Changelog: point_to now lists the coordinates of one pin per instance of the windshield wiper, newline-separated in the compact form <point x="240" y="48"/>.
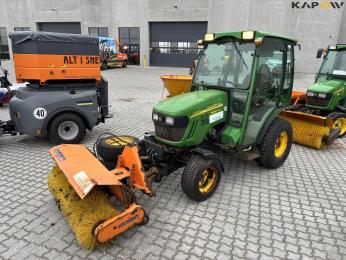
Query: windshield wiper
<point x="239" y="54"/>
<point x="224" y="82"/>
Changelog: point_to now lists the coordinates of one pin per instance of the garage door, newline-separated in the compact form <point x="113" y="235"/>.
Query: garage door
<point x="72" y="27"/>
<point x="174" y="43"/>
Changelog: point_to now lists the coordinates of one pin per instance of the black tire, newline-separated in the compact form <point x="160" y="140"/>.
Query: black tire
<point x="110" y="152"/>
<point x="193" y="173"/>
<point x="110" y="165"/>
<point x="338" y="115"/>
<point x="268" y="158"/>
<point x="145" y="220"/>
<point x="125" y="64"/>
<point x="57" y="137"/>
<point x="104" y="65"/>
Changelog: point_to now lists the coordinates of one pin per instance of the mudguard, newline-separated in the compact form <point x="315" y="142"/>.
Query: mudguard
<point x="207" y="154"/>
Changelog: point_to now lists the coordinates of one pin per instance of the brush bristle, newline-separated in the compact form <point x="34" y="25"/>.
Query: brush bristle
<point x="308" y="134"/>
<point x="82" y="215"/>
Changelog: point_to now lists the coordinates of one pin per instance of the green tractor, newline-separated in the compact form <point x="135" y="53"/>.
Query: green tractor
<point x="327" y="97"/>
<point x="236" y="96"/>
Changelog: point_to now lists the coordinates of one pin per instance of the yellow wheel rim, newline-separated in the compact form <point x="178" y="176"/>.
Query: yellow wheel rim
<point x="122" y="140"/>
<point x="281" y="144"/>
<point x="208" y="180"/>
<point x="340" y="123"/>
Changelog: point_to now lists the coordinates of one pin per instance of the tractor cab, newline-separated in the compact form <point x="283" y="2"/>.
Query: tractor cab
<point x="256" y="71"/>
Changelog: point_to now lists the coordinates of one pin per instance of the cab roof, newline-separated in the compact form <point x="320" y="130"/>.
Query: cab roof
<point x="257" y="34"/>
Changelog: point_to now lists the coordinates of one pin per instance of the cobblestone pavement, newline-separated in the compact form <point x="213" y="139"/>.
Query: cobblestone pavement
<point x="294" y="212"/>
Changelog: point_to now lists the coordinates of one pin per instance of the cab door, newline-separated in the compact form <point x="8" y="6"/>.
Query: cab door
<point x="267" y="86"/>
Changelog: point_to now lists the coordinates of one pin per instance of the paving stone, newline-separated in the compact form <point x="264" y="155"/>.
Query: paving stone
<point x="294" y="212"/>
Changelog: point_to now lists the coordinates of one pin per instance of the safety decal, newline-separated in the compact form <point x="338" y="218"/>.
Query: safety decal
<point x="215" y="117"/>
<point x="83" y="181"/>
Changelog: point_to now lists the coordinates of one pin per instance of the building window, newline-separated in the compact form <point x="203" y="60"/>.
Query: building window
<point x="16" y="29"/>
<point x="98" y="31"/>
<point x="129" y="40"/>
<point x="4" y="51"/>
<point x="175" y="47"/>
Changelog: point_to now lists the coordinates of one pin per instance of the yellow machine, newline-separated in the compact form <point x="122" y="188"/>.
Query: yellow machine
<point x="83" y="189"/>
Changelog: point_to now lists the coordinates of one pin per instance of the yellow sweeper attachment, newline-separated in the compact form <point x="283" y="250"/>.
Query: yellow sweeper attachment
<point x="311" y="130"/>
<point x="177" y="84"/>
<point x="83" y="187"/>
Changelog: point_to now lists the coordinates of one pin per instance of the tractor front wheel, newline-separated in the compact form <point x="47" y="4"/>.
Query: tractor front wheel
<point x="201" y="177"/>
<point x="339" y="121"/>
<point x="276" y="144"/>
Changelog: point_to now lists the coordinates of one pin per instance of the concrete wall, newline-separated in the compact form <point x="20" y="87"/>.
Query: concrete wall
<point x="314" y="28"/>
<point x="178" y="10"/>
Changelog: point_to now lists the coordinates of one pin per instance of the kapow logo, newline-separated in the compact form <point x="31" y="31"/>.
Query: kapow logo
<point x="312" y="5"/>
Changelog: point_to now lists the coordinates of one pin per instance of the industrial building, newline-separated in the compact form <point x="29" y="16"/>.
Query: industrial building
<point x="164" y="32"/>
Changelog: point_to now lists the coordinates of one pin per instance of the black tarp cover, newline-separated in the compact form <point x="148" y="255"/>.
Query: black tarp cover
<point x="54" y="43"/>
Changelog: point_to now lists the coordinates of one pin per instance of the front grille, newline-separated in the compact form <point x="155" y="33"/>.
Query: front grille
<point x="318" y="102"/>
<point x="169" y="133"/>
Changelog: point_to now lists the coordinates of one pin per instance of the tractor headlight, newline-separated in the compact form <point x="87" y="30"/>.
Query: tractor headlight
<point x="248" y="35"/>
<point x="209" y="37"/>
<point x="155" y="117"/>
<point x="322" y="95"/>
<point x="169" y="120"/>
<point x="310" y="94"/>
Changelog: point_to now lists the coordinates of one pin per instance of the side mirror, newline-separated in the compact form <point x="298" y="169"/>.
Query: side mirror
<point x="319" y="53"/>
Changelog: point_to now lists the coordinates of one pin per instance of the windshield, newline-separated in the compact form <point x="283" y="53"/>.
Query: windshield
<point x="226" y="64"/>
<point x="334" y="64"/>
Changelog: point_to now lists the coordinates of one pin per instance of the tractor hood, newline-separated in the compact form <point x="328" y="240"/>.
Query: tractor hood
<point x="327" y="86"/>
<point x="192" y="103"/>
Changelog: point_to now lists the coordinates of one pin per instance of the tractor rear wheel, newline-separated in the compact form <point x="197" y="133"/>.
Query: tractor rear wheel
<point x="201" y="177"/>
<point x="109" y="148"/>
<point x="276" y="144"/>
<point x="67" y="128"/>
<point x="339" y="121"/>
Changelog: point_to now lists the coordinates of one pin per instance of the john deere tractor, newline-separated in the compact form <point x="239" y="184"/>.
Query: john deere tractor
<point x="234" y="105"/>
<point x="327" y="97"/>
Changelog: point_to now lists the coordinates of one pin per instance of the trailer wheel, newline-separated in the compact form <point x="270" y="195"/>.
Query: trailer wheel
<point x="104" y="65"/>
<point x="201" y="177"/>
<point x="67" y="128"/>
<point x="339" y="121"/>
<point x="276" y="144"/>
<point x="109" y="148"/>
